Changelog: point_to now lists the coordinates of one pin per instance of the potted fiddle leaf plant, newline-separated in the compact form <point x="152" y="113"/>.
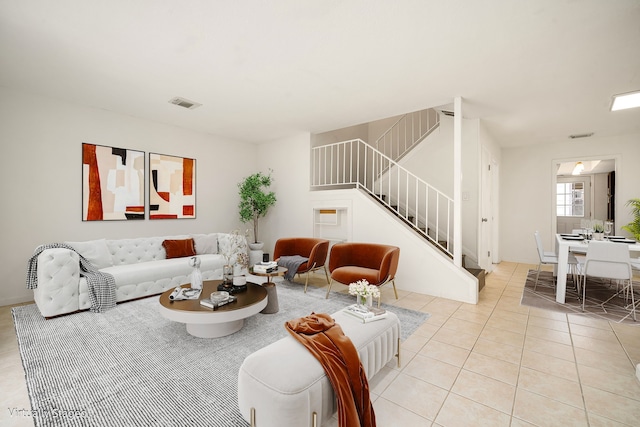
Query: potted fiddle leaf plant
<point x="634" y="226"/>
<point x="255" y="200"/>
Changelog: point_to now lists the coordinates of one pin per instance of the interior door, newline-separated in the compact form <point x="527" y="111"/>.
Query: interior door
<point x="485" y="235"/>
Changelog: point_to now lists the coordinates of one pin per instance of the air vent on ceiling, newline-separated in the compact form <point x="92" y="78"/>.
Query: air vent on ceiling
<point x="448" y="113"/>
<point x="581" y="135"/>
<point x="183" y="102"/>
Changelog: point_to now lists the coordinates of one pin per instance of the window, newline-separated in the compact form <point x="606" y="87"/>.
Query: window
<point x="570" y="199"/>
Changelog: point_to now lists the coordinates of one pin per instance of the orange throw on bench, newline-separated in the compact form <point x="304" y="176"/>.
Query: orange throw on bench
<point x="338" y="356"/>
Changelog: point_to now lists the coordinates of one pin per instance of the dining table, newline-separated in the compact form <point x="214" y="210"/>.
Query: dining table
<point x="579" y="244"/>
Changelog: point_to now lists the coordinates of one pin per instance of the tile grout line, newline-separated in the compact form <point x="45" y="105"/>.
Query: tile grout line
<point x="575" y="359"/>
<point x="515" y="393"/>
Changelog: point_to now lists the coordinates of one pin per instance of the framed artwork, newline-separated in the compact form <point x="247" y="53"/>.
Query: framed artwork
<point x="112" y="183"/>
<point x="172" y="187"/>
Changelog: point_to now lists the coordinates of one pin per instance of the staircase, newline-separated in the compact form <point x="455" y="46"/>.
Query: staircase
<point x="376" y="172"/>
<point x="356" y="164"/>
<point x="407" y="132"/>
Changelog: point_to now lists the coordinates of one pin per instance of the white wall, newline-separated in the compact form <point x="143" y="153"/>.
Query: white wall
<point x="526" y="188"/>
<point x="339" y="135"/>
<point x="292" y="215"/>
<point x="41" y="183"/>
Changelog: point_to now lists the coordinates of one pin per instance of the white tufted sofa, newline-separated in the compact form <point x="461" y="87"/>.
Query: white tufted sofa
<point x="139" y="266"/>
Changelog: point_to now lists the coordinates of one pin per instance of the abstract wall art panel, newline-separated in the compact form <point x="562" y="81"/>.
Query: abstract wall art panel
<point x="112" y="183"/>
<point x="172" y="187"/>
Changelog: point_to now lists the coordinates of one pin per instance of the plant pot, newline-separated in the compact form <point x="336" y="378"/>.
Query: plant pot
<point x="256" y="246"/>
<point x="255" y="253"/>
<point x="597" y="236"/>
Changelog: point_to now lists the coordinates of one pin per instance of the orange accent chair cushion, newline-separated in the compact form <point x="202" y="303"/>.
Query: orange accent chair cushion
<point x="350" y="262"/>
<point x="308" y="247"/>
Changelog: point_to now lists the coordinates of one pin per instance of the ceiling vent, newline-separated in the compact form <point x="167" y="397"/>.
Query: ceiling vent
<point x="581" y="135"/>
<point x="448" y="113"/>
<point x="183" y="102"/>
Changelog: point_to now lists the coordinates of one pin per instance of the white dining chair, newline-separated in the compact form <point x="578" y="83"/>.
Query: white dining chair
<point x="610" y="261"/>
<point x="551" y="258"/>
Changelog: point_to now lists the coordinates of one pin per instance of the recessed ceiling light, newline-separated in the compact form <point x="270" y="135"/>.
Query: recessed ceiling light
<point x="578" y="169"/>
<point x="625" y="100"/>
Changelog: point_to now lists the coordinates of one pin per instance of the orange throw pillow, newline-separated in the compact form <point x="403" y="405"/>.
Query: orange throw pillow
<point x="179" y="248"/>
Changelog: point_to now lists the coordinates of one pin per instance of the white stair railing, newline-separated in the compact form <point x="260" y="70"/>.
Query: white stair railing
<point x="407" y="132"/>
<point x="354" y="163"/>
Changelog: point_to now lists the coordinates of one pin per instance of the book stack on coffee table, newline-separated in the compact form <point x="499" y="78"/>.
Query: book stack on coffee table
<point x="365" y="314"/>
<point x="266" y="267"/>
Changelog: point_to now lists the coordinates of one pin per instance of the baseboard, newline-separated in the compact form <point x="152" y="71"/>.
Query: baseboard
<point x="638" y="371"/>
<point x="16" y="300"/>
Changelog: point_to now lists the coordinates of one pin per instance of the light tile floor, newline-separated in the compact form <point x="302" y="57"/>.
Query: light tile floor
<point x="496" y="363"/>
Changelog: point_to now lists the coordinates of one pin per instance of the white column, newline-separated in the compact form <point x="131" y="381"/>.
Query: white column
<point x="457" y="181"/>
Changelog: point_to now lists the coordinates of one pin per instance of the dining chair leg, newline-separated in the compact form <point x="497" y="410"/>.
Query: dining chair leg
<point x="633" y="302"/>
<point x="584" y="290"/>
<point x="537" y="275"/>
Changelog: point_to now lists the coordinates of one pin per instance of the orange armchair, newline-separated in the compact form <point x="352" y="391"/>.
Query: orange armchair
<point x="308" y="247"/>
<point x="350" y="262"/>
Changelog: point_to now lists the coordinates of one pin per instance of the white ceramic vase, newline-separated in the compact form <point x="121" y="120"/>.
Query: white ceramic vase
<point x="255" y="253"/>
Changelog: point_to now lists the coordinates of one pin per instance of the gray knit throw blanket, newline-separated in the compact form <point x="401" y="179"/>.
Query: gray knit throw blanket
<point x="292" y="263"/>
<point x="102" y="286"/>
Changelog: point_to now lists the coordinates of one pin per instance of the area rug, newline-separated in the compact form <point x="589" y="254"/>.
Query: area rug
<point x="129" y="366"/>
<point x="598" y="290"/>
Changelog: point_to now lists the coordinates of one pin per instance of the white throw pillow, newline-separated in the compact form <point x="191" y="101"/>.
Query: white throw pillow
<point x="95" y="251"/>
<point x="206" y="243"/>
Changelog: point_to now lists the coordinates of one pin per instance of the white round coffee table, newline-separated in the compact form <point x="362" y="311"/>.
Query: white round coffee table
<point x="203" y="322"/>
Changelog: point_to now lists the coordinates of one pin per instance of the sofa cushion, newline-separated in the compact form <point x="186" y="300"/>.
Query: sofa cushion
<point x="206" y="243"/>
<point x="179" y="248"/>
<point x="94" y="251"/>
<point x="127" y="274"/>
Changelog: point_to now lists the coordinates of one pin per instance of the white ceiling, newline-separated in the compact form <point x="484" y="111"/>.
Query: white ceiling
<point x="590" y="167"/>
<point x="535" y="71"/>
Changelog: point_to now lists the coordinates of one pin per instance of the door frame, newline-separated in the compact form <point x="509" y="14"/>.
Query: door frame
<point x="554" y="180"/>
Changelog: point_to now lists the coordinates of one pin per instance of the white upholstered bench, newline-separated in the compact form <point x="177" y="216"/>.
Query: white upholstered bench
<point x="283" y="385"/>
